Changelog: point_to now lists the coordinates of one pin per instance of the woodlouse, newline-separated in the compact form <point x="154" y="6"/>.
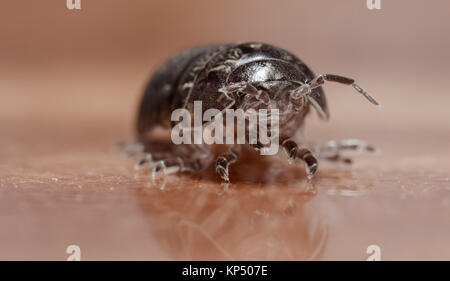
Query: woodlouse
<point x="250" y="75"/>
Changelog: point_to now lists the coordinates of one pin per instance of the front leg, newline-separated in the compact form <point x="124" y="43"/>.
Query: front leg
<point x="303" y="153"/>
<point x="224" y="160"/>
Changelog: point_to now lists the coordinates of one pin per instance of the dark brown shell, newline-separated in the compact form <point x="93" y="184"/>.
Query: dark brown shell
<point x="198" y="74"/>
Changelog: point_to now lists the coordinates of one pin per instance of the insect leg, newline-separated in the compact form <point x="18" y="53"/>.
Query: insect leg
<point x="136" y="148"/>
<point x="223" y="162"/>
<point x="166" y="158"/>
<point x="293" y="151"/>
<point x="151" y="155"/>
<point x="168" y="166"/>
<point x="145" y="158"/>
<point x="239" y="87"/>
<point x="251" y="97"/>
<point x="336" y="150"/>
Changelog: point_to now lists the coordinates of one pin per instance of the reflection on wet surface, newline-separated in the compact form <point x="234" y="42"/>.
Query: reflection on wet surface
<point x="269" y="212"/>
<point x="253" y="218"/>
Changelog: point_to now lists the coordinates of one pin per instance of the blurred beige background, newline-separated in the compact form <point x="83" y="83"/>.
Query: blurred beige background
<point x="70" y="82"/>
<point x="403" y="47"/>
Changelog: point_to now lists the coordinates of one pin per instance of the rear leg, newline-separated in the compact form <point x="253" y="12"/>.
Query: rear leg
<point x="224" y="160"/>
<point x="167" y="158"/>
<point x="183" y="157"/>
<point x="339" y="151"/>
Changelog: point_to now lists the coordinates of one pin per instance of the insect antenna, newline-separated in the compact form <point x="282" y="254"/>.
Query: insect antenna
<point x="317" y="107"/>
<point x="321" y="78"/>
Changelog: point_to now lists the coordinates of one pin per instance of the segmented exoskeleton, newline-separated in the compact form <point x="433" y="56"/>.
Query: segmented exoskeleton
<point x="232" y="76"/>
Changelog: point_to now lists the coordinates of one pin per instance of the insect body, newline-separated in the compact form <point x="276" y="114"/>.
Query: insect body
<point x="241" y="75"/>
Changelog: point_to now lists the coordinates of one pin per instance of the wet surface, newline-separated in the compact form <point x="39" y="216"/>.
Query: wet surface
<point x="62" y="182"/>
